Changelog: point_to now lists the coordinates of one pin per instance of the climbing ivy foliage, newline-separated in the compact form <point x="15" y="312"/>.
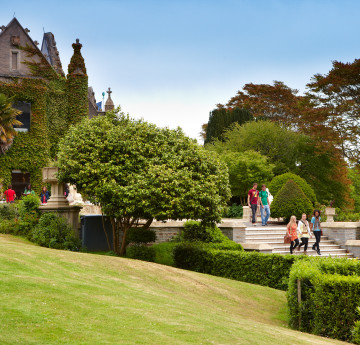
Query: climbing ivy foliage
<point x="77" y="87"/>
<point x="50" y="95"/>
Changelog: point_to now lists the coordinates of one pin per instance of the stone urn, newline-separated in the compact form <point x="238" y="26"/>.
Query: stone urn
<point x="57" y="198"/>
<point x="330" y="213"/>
<point x="57" y="202"/>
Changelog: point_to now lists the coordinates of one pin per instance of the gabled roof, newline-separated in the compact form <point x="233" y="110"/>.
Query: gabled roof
<point x="16" y="22"/>
<point x="51" y="53"/>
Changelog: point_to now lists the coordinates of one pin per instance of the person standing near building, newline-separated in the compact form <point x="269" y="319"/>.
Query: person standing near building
<point x="44" y="195"/>
<point x="264" y="205"/>
<point x="28" y="190"/>
<point x="316" y="228"/>
<point x="304" y="232"/>
<point x="10" y="194"/>
<point x="253" y="201"/>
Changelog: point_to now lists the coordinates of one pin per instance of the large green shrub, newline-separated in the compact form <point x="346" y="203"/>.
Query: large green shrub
<point x="290" y="200"/>
<point x="29" y="205"/>
<point x="264" y="269"/>
<point x="53" y="231"/>
<point x="164" y="253"/>
<point x="142" y="252"/>
<point x="330" y="295"/>
<point x="8" y="212"/>
<point x="234" y="211"/>
<point x="197" y="231"/>
<point x="279" y="181"/>
<point x="29" y="214"/>
<point x="141" y="235"/>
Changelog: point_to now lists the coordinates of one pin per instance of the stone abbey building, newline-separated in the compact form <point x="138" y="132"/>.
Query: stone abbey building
<point x="50" y="101"/>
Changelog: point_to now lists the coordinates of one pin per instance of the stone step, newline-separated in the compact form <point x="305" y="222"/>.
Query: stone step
<point x="280" y="240"/>
<point x="276" y="237"/>
<point x="323" y="251"/>
<point x="329" y="244"/>
<point x="324" y="254"/>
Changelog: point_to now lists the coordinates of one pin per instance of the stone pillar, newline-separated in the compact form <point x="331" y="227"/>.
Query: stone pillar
<point x="57" y="202"/>
<point x="330" y="213"/>
<point x="246" y="213"/>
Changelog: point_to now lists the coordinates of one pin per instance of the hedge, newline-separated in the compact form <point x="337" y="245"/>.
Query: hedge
<point x="270" y="270"/>
<point x="330" y="295"/>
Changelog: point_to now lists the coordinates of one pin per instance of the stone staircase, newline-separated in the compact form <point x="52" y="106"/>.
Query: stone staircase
<point x="273" y="235"/>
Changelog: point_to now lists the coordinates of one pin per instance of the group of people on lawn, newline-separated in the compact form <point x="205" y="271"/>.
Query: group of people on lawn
<point x="295" y="230"/>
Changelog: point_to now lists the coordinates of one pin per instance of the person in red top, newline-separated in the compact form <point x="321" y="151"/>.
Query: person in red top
<point x="253" y="200"/>
<point x="10" y="194"/>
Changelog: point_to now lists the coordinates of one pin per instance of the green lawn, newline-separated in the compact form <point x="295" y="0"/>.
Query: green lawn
<point x="58" y="297"/>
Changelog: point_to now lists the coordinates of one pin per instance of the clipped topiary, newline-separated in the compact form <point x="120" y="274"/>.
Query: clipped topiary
<point x="290" y="200"/>
<point x="278" y="182"/>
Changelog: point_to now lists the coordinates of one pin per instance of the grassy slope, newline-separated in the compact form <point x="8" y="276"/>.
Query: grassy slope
<point x="57" y="297"/>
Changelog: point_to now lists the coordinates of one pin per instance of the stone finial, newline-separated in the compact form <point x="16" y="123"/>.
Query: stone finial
<point x="27" y="30"/>
<point x="109" y="104"/>
<point x="36" y="43"/>
<point x="3" y="27"/>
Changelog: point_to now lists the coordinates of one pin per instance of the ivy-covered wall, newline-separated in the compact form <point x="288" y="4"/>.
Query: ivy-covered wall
<point x="56" y="103"/>
<point x="29" y="151"/>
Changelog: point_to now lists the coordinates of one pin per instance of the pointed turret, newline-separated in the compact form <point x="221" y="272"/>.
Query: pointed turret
<point x="77" y="86"/>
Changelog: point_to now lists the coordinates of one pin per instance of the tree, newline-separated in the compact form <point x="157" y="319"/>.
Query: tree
<point x="335" y="97"/>
<point x="245" y="168"/>
<point x="220" y="119"/>
<point x="139" y="172"/>
<point x="276" y="102"/>
<point x="7" y="122"/>
<point x="289" y="201"/>
<point x="290" y="151"/>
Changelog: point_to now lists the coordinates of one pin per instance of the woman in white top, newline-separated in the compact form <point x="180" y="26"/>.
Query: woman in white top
<point x="304" y="232"/>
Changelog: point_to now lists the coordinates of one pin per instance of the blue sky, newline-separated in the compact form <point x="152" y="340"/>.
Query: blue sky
<point x="170" y="62"/>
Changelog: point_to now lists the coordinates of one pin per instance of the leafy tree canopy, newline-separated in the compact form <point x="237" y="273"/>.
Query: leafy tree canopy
<point x="289" y="151"/>
<point x="277" y="102"/>
<point x="220" y="119"/>
<point x="139" y="172"/>
<point x="336" y="99"/>
<point x="245" y="168"/>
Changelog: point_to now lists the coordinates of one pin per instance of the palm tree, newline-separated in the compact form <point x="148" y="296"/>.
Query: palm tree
<point x="7" y="121"/>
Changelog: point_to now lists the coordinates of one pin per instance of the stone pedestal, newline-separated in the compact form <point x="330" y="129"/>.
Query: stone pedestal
<point x="330" y="213"/>
<point x="57" y="202"/>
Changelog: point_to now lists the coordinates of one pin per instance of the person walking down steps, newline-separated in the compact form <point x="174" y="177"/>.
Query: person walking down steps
<point x="264" y="205"/>
<point x="304" y="232"/>
<point x="253" y="201"/>
<point x="316" y="228"/>
<point x="292" y="232"/>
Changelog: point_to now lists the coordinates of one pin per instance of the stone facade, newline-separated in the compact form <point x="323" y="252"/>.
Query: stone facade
<point x="11" y="57"/>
